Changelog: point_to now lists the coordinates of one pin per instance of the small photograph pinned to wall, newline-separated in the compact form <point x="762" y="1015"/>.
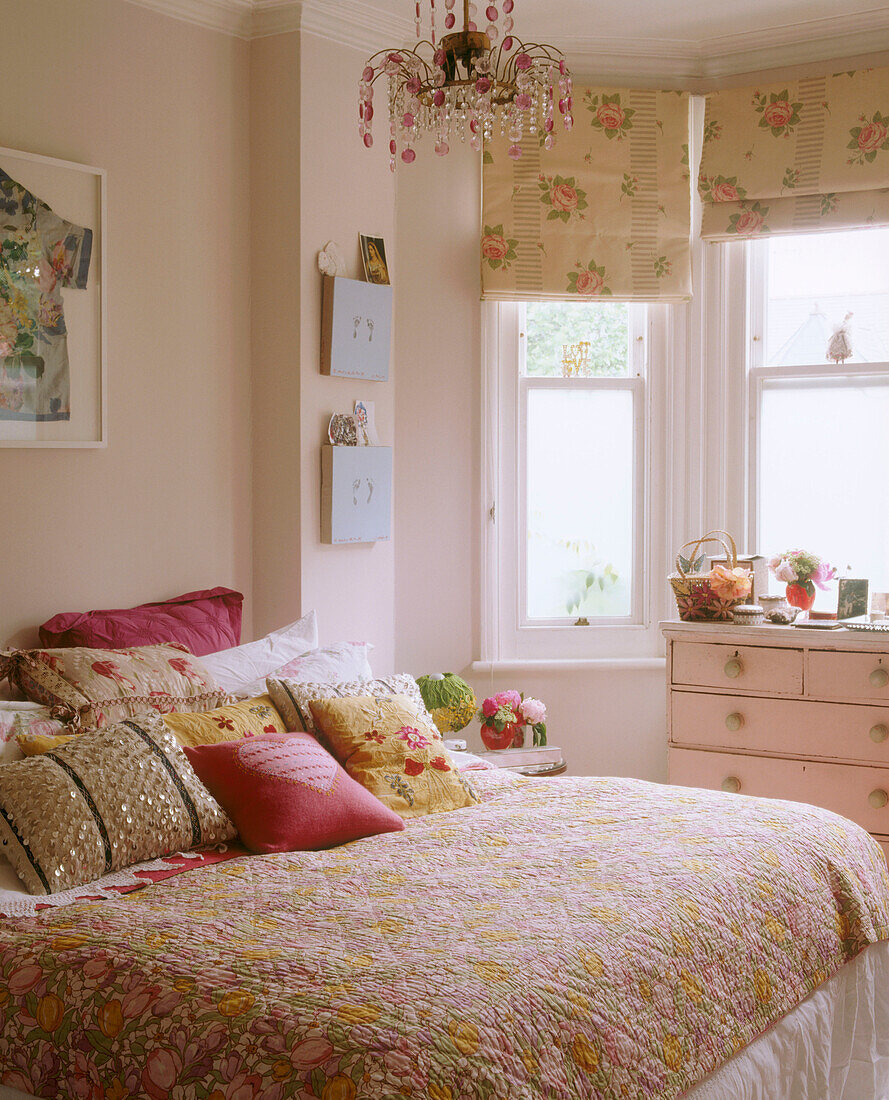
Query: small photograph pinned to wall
<point x="851" y="597"/>
<point x="365" y="423"/>
<point x="373" y="254"/>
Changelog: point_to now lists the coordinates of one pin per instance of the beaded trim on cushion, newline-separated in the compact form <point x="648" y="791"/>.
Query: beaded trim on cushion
<point x="91" y="688"/>
<point x="104" y="800"/>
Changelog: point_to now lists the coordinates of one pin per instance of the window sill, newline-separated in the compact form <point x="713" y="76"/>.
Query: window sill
<point x="589" y="664"/>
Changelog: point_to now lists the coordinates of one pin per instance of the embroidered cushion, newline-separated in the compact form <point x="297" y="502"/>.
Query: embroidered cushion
<point x="249" y="718"/>
<point x="338" y="662"/>
<point x="107" y="799"/>
<point x="292" y="697"/>
<point x="201" y="621"/>
<point x="285" y="793"/>
<point x="396" y="753"/>
<point x="244" y="668"/>
<point x="90" y="688"/>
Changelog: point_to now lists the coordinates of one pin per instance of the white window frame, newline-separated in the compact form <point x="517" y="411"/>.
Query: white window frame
<point x="507" y="636"/>
<point x="759" y="375"/>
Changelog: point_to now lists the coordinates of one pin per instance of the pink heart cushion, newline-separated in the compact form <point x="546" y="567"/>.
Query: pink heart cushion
<point x="285" y="793"/>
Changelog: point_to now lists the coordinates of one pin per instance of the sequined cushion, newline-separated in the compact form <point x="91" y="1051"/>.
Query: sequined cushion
<point x="106" y="799"/>
<point x="292" y="697"/>
<point x="91" y="688"/>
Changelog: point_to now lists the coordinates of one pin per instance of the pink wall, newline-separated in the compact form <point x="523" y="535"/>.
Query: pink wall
<point x="162" y="106"/>
<point x="312" y="181"/>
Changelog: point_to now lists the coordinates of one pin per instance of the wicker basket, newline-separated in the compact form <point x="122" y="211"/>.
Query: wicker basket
<point x="695" y="599"/>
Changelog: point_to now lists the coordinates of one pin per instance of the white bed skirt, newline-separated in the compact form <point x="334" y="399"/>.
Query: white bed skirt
<point x="834" y="1046"/>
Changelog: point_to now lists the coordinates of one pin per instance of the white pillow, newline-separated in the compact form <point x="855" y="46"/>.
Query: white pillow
<point x="330" y="665"/>
<point x="239" y="670"/>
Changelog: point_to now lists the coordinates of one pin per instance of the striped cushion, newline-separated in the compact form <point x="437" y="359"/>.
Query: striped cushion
<point x="292" y="697"/>
<point x="104" y="800"/>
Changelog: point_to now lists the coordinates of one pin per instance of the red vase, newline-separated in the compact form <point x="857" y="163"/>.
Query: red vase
<point x="799" y="595"/>
<point x="494" y="740"/>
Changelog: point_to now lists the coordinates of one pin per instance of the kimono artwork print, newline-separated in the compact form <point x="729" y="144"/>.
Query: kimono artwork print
<point x="40" y="254"/>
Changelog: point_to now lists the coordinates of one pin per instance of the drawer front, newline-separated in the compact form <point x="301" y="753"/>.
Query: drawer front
<point x="795" y="727"/>
<point x="835" y="675"/>
<point x="855" y="792"/>
<point x="738" y="668"/>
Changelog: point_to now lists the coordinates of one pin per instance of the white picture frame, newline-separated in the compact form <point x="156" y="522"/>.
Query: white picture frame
<point x="77" y="193"/>
<point x="356" y="329"/>
<point x="356" y="494"/>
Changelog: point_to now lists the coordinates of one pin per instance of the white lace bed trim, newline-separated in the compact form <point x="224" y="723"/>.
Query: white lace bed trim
<point x="21" y="904"/>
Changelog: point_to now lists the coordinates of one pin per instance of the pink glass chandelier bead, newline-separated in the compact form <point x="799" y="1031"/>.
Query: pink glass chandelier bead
<point x="472" y="26"/>
<point x="549" y="141"/>
<point x="369" y="111"/>
<point x="491" y="13"/>
<point x="418" y="18"/>
<point x="514" y="151"/>
<point x="368" y="74"/>
<point x="475" y="143"/>
<point x="438" y="97"/>
<point x="408" y="156"/>
<point x="564" y="106"/>
<point x="450" y="20"/>
<point x="508" y="43"/>
<point x="368" y="140"/>
<point x="493" y="32"/>
<point x="548" y="124"/>
<point x="442" y="148"/>
<point x="407" y="120"/>
<point x="508" y="24"/>
<point x="522" y="62"/>
<point x="439" y="58"/>
<point x="523" y="101"/>
<point x="483" y="85"/>
<point x="569" y="122"/>
<point x="508" y="5"/>
<point x="473" y="125"/>
<point x="393" y="147"/>
<point x="413" y="85"/>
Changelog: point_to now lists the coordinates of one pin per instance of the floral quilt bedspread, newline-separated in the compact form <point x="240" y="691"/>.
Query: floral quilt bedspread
<point x="566" y="939"/>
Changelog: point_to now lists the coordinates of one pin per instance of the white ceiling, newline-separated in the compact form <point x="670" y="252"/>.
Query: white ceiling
<point x="645" y="38"/>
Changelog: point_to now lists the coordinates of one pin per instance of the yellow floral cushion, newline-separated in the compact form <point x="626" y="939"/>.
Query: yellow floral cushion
<point x="34" y="744"/>
<point x="392" y="750"/>
<point x="249" y="718"/>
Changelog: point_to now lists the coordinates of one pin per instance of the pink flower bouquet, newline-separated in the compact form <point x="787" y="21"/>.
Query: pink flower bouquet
<point x="504" y="717"/>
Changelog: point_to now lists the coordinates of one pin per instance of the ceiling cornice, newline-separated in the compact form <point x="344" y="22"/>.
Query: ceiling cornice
<point x="360" y="24"/>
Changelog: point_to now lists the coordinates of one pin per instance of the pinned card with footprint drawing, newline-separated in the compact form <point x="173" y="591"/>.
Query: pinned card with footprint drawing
<point x="356" y="494"/>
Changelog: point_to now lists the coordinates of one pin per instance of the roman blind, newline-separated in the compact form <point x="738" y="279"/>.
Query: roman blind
<point x="796" y="156"/>
<point x="605" y="213"/>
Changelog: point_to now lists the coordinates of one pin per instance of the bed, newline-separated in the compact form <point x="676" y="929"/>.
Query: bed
<point x="565" y="939"/>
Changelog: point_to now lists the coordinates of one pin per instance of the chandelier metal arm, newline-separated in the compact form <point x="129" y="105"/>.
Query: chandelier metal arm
<point x="462" y="83"/>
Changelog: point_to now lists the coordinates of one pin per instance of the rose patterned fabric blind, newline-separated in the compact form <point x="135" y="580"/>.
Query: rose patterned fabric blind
<point x="797" y="156"/>
<point x="605" y="213"/>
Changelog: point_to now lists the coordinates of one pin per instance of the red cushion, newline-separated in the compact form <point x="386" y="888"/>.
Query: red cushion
<point x="204" y="622"/>
<point x="285" y="793"/>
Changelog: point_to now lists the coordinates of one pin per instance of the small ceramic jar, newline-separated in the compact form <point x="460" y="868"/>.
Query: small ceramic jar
<point x="748" y="614"/>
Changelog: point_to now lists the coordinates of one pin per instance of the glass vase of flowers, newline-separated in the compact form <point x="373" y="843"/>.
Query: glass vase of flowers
<point x="505" y="717"/>
<point x="801" y="571"/>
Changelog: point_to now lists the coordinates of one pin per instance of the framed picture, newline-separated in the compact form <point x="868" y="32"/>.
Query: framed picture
<point x="356" y="329"/>
<point x="851" y="598"/>
<point x="52" y="302"/>
<point x="356" y="494"/>
<point x="373" y="254"/>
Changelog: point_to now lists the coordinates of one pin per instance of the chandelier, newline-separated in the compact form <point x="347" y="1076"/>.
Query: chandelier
<point x="463" y="84"/>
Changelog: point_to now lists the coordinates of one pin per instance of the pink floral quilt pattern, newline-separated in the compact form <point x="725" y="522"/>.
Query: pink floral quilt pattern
<point x="566" y="939"/>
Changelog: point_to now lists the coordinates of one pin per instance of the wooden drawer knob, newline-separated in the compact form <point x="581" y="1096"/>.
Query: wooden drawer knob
<point x="731" y="785"/>
<point x="878" y="798"/>
<point x="733" y="668"/>
<point x="879" y="733"/>
<point x="879" y="678"/>
<point x="734" y="721"/>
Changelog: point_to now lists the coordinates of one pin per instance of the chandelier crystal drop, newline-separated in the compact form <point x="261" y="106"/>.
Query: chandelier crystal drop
<point x="469" y="84"/>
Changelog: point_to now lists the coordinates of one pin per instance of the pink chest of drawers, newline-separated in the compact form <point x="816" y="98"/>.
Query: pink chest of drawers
<point x="782" y="712"/>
